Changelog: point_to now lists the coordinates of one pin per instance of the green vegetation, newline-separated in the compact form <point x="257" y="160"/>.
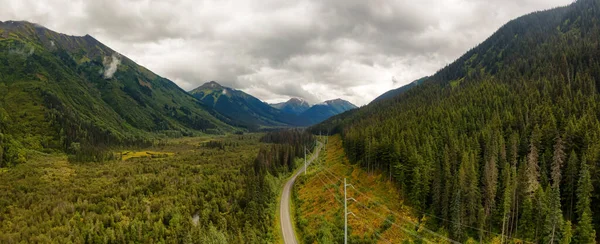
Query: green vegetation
<point x="501" y="143"/>
<point x="193" y="190"/>
<point x="198" y="194"/>
<point x="318" y="197"/>
<point x="243" y="109"/>
<point x="57" y="94"/>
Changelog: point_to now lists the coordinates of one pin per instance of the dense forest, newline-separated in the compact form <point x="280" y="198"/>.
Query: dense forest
<point x="504" y="142"/>
<point x="210" y="190"/>
<point x="285" y="146"/>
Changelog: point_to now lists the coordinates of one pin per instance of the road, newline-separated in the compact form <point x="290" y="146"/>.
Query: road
<point x="284" y="205"/>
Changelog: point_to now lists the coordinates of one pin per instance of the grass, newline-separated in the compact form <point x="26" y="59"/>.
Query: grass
<point x="319" y="202"/>
<point x="145" y="154"/>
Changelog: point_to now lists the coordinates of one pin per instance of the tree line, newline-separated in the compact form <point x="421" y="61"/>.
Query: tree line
<point x="504" y="143"/>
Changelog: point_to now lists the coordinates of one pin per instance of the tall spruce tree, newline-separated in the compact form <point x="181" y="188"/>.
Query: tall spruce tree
<point x="570" y="185"/>
<point x="554" y="217"/>
<point x="584" y="232"/>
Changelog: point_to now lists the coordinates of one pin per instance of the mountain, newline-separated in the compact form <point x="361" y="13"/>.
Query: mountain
<point x="400" y="90"/>
<point x="513" y="122"/>
<point x="323" y="111"/>
<point x="57" y="90"/>
<point x="292" y="106"/>
<point x="249" y="112"/>
<point x="242" y="108"/>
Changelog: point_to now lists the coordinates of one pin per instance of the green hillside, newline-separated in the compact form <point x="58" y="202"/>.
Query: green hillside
<point x="60" y="92"/>
<point x="502" y="143"/>
<point x="243" y="109"/>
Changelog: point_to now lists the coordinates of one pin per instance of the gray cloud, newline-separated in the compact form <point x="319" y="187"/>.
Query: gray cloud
<point x="315" y="49"/>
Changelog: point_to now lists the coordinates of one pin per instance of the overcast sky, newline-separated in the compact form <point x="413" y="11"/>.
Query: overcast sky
<point x="274" y="49"/>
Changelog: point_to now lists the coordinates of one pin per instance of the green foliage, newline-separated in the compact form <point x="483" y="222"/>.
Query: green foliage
<point x="567" y="234"/>
<point x="285" y="146"/>
<point x="526" y="84"/>
<point x="199" y="195"/>
<point x="53" y="92"/>
<point x="243" y="109"/>
<point x="584" y="231"/>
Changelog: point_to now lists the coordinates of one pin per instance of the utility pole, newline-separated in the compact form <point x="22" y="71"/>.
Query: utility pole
<point x="346" y="211"/>
<point x="304" y="160"/>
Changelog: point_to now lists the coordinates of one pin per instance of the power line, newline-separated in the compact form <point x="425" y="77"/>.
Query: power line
<point x="385" y="219"/>
<point x="334" y="196"/>
<point x="422" y="212"/>
<point x="409" y="221"/>
<point x="338" y="178"/>
<point x="373" y="230"/>
<point x="430" y="215"/>
<point x="329" y="189"/>
<point x="399" y="226"/>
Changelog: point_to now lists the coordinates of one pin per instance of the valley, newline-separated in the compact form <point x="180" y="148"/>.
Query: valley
<point x="202" y="192"/>
<point x="498" y="145"/>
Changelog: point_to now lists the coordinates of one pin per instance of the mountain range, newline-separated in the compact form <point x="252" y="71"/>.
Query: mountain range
<point x="56" y="90"/>
<point x="73" y="93"/>
<point x="250" y="112"/>
<point x="245" y="110"/>
<point x="293" y="106"/>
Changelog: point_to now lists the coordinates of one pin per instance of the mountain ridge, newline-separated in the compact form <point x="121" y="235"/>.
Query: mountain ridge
<point x="78" y="90"/>
<point x="294" y="105"/>
<point x="242" y="108"/>
<point x="394" y="92"/>
<point x="488" y="136"/>
<point x="250" y="112"/>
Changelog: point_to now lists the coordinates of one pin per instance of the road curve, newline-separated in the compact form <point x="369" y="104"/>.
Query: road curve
<point x="284" y="205"/>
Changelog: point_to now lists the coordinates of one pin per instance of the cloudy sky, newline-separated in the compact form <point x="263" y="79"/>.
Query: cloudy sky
<point x="274" y="49"/>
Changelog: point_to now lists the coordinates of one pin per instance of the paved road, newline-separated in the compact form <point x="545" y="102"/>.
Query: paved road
<point x="284" y="205"/>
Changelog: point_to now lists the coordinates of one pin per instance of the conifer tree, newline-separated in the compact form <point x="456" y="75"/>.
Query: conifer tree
<point x="490" y="184"/>
<point x="567" y="234"/>
<point x="570" y="184"/>
<point x="554" y="217"/>
<point x="507" y="202"/>
<point x="584" y="232"/>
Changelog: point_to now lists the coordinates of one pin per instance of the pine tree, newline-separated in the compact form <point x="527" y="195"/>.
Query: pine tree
<point x="507" y="202"/>
<point x="468" y="183"/>
<point x="554" y="218"/>
<point x="532" y="173"/>
<point x="584" y="232"/>
<point x="570" y="184"/>
<point x="456" y="212"/>
<point x="529" y="216"/>
<point x="490" y="184"/>
<point x="527" y="220"/>
<point x="567" y="234"/>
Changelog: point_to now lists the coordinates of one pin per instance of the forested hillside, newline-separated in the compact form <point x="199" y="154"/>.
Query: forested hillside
<point x="503" y="143"/>
<point x="243" y="109"/>
<point x="67" y="93"/>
